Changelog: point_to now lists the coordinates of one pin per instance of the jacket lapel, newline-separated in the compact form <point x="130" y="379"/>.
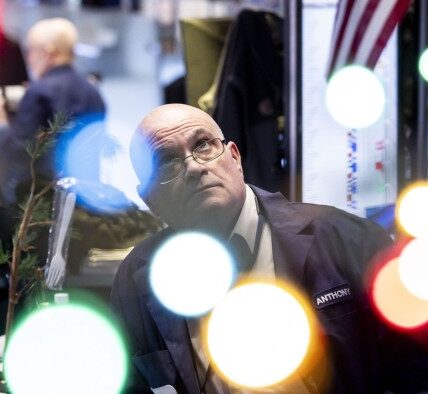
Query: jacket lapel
<point x="289" y="245"/>
<point x="289" y="255"/>
<point x="173" y="329"/>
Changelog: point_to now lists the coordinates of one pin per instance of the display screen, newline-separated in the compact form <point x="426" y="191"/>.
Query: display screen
<point x="355" y="170"/>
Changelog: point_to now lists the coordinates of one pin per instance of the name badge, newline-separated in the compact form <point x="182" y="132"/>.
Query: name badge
<point x="168" y="389"/>
<point x="332" y="296"/>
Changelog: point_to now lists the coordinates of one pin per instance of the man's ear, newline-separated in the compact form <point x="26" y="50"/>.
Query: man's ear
<point x="235" y="155"/>
<point x="50" y="52"/>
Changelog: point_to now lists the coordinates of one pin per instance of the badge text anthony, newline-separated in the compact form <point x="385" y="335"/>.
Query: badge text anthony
<point x="333" y="295"/>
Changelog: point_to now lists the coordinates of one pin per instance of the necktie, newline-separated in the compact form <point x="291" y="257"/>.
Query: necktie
<point x="241" y="253"/>
<point x="244" y="258"/>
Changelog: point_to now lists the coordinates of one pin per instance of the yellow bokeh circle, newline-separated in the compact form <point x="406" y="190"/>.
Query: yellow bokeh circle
<point x="412" y="210"/>
<point x="258" y="335"/>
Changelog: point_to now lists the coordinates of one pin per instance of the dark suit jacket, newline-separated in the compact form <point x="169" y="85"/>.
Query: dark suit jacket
<point x="249" y="96"/>
<point x="60" y="90"/>
<point x="318" y="248"/>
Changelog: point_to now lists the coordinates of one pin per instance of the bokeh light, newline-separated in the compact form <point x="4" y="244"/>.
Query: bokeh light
<point x="79" y="154"/>
<point x="394" y="302"/>
<point x="412" y="210"/>
<point x="65" y="349"/>
<point x="117" y="169"/>
<point x="142" y="160"/>
<point x="423" y="64"/>
<point x="191" y="273"/>
<point x="258" y="335"/>
<point x="355" y="97"/>
<point x="413" y="267"/>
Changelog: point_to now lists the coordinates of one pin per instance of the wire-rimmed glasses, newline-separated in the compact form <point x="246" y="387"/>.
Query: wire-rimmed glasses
<point x="205" y="152"/>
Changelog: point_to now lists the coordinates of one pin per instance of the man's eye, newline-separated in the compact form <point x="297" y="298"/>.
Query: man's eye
<point x="166" y="163"/>
<point x="203" y="145"/>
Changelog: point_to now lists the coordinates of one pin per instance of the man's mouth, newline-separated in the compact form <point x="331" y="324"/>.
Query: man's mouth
<point x="202" y="189"/>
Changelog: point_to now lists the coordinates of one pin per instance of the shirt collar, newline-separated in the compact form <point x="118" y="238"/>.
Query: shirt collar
<point x="246" y="225"/>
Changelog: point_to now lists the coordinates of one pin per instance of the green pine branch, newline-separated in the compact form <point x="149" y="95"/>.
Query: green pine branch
<point x="25" y="267"/>
<point x="5" y="255"/>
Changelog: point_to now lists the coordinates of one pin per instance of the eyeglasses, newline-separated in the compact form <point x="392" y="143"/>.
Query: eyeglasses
<point x="172" y="169"/>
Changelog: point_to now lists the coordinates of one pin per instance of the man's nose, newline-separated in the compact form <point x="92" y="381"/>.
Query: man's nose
<point x="192" y="167"/>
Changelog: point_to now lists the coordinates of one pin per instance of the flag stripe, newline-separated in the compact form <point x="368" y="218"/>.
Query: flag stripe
<point x="340" y="23"/>
<point x="397" y="15"/>
<point x="350" y="28"/>
<point x="382" y="17"/>
<point x="366" y="20"/>
<point x="362" y="29"/>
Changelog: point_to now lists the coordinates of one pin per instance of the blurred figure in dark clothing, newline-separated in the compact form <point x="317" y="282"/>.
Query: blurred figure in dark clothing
<point x="12" y="64"/>
<point x="57" y="88"/>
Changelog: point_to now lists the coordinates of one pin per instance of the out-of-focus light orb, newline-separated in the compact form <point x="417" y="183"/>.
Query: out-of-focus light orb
<point x="191" y="273"/>
<point x="395" y="303"/>
<point x="413" y="267"/>
<point x="423" y="64"/>
<point x="65" y="349"/>
<point x="355" y="97"/>
<point x="142" y="160"/>
<point x="116" y="169"/>
<point x="258" y="335"/>
<point x="412" y="210"/>
<point x="79" y="154"/>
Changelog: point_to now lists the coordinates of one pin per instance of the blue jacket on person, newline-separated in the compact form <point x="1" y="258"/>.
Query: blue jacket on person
<point x="60" y="90"/>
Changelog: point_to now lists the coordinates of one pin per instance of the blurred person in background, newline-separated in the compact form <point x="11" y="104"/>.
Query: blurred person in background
<point x="13" y="71"/>
<point x="198" y="185"/>
<point x="56" y="88"/>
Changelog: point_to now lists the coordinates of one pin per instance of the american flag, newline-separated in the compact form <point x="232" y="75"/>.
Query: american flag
<point x="361" y="31"/>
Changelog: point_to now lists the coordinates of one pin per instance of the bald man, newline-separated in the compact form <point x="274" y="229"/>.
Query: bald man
<point x="197" y="183"/>
<point x="56" y="88"/>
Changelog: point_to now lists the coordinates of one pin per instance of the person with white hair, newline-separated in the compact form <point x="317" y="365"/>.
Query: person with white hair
<point x="56" y="88"/>
<point x="50" y="43"/>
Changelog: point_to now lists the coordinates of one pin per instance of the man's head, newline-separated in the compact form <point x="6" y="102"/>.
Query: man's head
<point x="207" y="196"/>
<point x="50" y="43"/>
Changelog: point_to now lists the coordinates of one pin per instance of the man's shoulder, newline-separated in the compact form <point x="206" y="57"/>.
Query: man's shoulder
<point x="311" y="217"/>
<point x="42" y="89"/>
<point x="141" y="254"/>
<point x="328" y="218"/>
<point x="333" y="226"/>
<point x="136" y="262"/>
<point x="68" y="90"/>
<point x="60" y="75"/>
<point x="325" y="213"/>
<point x="273" y="202"/>
<point x="36" y="88"/>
